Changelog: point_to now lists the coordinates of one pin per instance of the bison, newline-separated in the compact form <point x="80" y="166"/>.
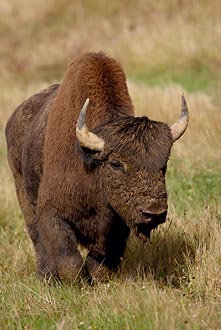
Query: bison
<point x="86" y="170"/>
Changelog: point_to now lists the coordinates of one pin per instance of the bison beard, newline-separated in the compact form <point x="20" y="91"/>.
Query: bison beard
<point x="88" y="176"/>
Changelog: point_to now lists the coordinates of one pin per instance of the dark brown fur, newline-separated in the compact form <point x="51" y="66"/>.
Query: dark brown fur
<point x="69" y="194"/>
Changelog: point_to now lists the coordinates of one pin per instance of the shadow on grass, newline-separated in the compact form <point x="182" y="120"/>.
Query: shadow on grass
<point x="166" y="259"/>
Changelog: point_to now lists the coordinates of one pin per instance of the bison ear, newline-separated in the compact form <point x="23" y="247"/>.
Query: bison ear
<point x="91" y="158"/>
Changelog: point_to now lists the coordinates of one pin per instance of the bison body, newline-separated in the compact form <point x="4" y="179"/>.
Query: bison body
<point x="89" y="185"/>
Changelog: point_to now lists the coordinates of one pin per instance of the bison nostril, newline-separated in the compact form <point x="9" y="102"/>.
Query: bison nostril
<point x="151" y="217"/>
<point x="147" y="214"/>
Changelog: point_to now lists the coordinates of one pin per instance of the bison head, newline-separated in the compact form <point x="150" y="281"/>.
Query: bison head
<point x="131" y="155"/>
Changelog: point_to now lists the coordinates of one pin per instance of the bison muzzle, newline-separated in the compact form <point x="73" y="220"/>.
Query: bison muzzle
<point x="86" y="170"/>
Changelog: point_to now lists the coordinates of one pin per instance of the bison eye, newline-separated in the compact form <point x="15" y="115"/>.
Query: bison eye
<point x="116" y="166"/>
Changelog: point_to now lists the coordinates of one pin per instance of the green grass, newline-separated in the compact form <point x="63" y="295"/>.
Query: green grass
<point x="106" y="307"/>
<point x="194" y="187"/>
<point x="192" y="79"/>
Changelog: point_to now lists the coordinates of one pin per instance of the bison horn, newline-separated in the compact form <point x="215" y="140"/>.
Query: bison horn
<point x="86" y="138"/>
<point x="181" y="124"/>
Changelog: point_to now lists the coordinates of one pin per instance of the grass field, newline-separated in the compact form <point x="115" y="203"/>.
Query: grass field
<point x="166" y="47"/>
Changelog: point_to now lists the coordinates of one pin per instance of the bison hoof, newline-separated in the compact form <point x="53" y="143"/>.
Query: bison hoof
<point x="98" y="272"/>
<point x="65" y="270"/>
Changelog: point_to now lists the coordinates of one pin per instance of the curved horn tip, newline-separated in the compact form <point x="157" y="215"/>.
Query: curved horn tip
<point x="181" y="124"/>
<point x="184" y="105"/>
<point x="84" y="108"/>
<point x="87" y="102"/>
<point x="82" y="114"/>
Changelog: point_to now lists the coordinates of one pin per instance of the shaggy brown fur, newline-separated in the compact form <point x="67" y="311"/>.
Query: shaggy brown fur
<point x="69" y="194"/>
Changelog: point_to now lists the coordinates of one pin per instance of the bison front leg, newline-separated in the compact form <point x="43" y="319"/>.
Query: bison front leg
<point x="58" y="254"/>
<point x="105" y="254"/>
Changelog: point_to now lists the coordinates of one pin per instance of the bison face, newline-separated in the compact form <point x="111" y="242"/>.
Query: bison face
<point x="131" y="154"/>
<point x="131" y="169"/>
<point x="133" y="173"/>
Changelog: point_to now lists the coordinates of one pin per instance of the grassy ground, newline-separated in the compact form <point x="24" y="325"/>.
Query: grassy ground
<point x="166" y="47"/>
